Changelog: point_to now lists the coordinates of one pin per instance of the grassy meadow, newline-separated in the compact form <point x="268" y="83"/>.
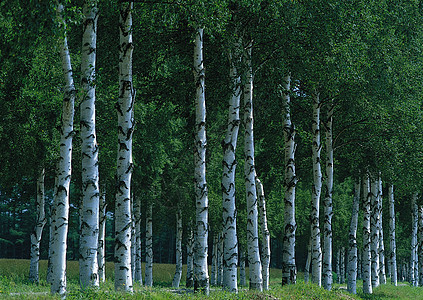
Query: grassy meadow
<point x="14" y="285"/>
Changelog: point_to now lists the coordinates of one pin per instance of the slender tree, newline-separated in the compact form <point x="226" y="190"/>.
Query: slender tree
<point x="289" y="269"/>
<point x="38" y="229"/>
<point x="124" y="107"/>
<point x="190" y="260"/>
<point x="213" y="271"/>
<point x="88" y="266"/>
<point x="420" y="246"/>
<point x="101" y="252"/>
<point x="201" y="199"/>
<point x="375" y="231"/>
<point x="230" y="240"/>
<point x="178" y="271"/>
<point x="149" y="245"/>
<point x="381" y="250"/>
<point x="392" y="241"/>
<point x="352" y="253"/>
<point x="265" y="257"/>
<point x="137" y="214"/>
<point x="256" y="280"/>
<point x="414" y="243"/>
<point x="327" y="204"/>
<point x="316" y="250"/>
<point x="60" y="211"/>
<point x="366" y="265"/>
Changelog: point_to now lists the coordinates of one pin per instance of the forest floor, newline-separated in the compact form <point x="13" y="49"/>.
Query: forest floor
<point x="15" y="285"/>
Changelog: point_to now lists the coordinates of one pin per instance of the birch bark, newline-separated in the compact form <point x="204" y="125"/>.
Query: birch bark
<point x="420" y="246"/>
<point x="289" y="269"/>
<point x="230" y="240"/>
<point x="374" y="223"/>
<point x="265" y="257"/>
<point x="213" y="271"/>
<point x="178" y="270"/>
<point x="149" y="246"/>
<point x="138" y="250"/>
<point x="352" y="253"/>
<point x="342" y="265"/>
<point x="366" y="264"/>
<point x="414" y="244"/>
<point x="190" y="260"/>
<point x="316" y="254"/>
<point x="392" y="241"/>
<point x="38" y="230"/>
<point x="126" y="124"/>
<point x="242" y="274"/>
<point x="328" y="206"/>
<point x="60" y="211"/>
<point x="133" y="239"/>
<point x="101" y="252"/>
<point x="254" y="261"/>
<point x="220" y="261"/>
<point x="201" y="199"/>
<point x="381" y="250"/>
<point x="88" y="267"/>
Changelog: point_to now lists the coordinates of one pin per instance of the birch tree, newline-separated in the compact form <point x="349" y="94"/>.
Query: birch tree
<point x="213" y="271"/>
<point x="414" y="243"/>
<point x="230" y="240"/>
<point x="38" y="229"/>
<point x="60" y="211"/>
<point x="289" y="269"/>
<point x="392" y="241"/>
<point x="138" y="250"/>
<point x="366" y="264"/>
<point x="201" y="199"/>
<point x="374" y="223"/>
<point x="149" y="245"/>
<point x="420" y="246"/>
<point x="88" y="266"/>
<point x="265" y="257"/>
<point x="101" y="252"/>
<point x="256" y="280"/>
<point x="124" y="107"/>
<point x="352" y="253"/>
<point x="381" y="250"/>
<point x="327" y="204"/>
<point x="190" y="260"/>
<point x="316" y="251"/>
<point x="178" y="271"/>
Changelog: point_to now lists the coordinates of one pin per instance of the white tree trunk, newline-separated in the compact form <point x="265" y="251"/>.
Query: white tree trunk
<point x="352" y="253"/>
<point x="220" y="261"/>
<point x="342" y="265"/>
<point x="178" y="270"/>
<point x="265" y="256"/>
<point x="201" y="275"/>
<point x="242" y="275"/>
<point x="366" y="262"/>
<point x="338" y="265"/>
<point x="138" y="249"/>
<point x="230" y="240"/>
<point x="327" y="279"/>
<point x="101" y="252"/>
<point x="213" y="271"/>
<point x="125" y="113"/>
<point x="133" y="239"/>
<point x="289" y="269"/>
<point x="308" y="263"/>
<point x="60" y="211"/>
<point x="420" y="247"/>
<point x="149" y="246"/>
<point x="359" y="260"/>
<point x="190" y="260"/>
<point x="38" y="230"/>
<point x="392" y="242"/>
<point x="414" y="244"/>
<point x="254" y="261"/>
<point x="316" y="254"/>
<point x="88" y="242"/>
<point x="381" y="250"/>
<point x="374" y="223"/>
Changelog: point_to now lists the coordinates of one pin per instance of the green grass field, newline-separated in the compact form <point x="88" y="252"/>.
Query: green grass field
<point x="14" y="285"/>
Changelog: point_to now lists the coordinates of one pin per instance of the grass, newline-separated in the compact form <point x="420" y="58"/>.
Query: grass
<point x="15" y="285"/>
